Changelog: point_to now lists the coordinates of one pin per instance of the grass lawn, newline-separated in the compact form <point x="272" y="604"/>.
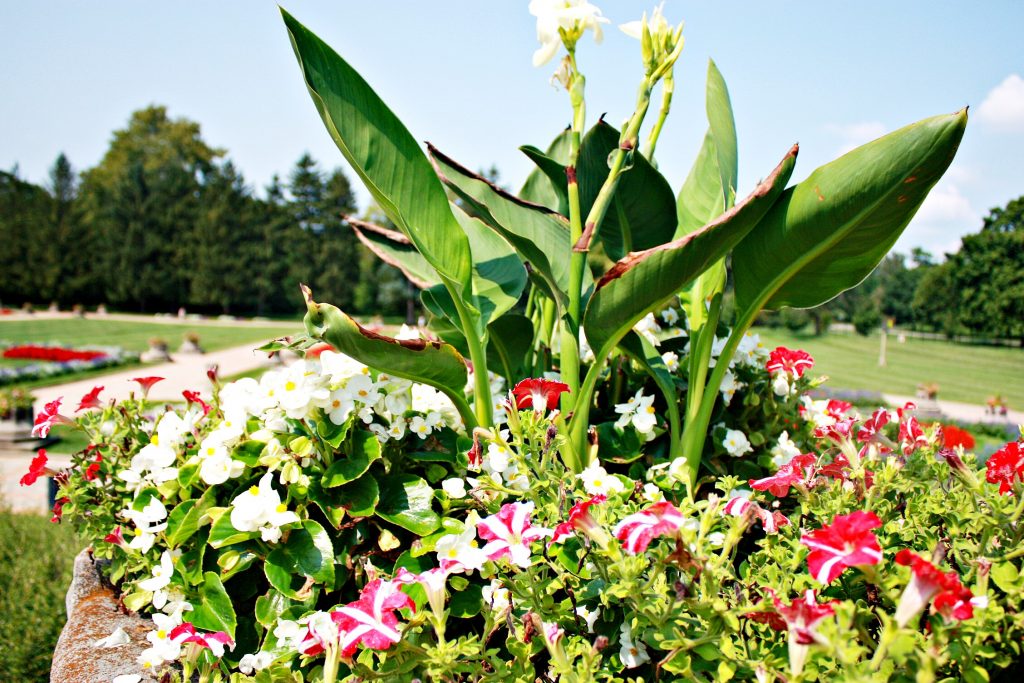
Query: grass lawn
<point x="969" y="374"/>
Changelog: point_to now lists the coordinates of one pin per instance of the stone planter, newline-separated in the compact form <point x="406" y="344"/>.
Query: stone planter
<point x="94" y="613"/>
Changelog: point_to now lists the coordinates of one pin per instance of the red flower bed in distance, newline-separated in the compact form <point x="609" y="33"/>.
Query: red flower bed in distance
<point x="50" y="353"/>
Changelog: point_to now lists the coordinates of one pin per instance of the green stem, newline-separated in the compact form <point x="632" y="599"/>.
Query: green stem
<point x="569" y="356"/>
<point x="481" y="382"/>
<point x="666" y="104"/>
<point x="700" y="356"/>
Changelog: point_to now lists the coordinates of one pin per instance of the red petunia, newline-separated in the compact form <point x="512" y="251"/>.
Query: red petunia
<point x="837" y="432"/>
<point x="116" y="537"/>
<point x="793" y="363"/>
<point x="36" y="468"/>
<point x="538" y="393"/>
<point x="1005" y="465"/>
<point x="90" y="400"/>
<point x="927" y="584"/>
<point x="49" y="416"/>
<point x="579" y="519"/>
<point x="847" y="542"/>
<point x="953" y="436"/>
<point x="771" y="521"/>
<point x="194" y="397"/>
<point x="147" y="383"/>
<point x="799" y="470"/>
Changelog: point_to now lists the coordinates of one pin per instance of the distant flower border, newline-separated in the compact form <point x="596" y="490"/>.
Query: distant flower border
<point x="54" y="360"/>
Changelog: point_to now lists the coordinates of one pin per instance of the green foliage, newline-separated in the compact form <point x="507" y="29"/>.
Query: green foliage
<point x="35" y="560"/>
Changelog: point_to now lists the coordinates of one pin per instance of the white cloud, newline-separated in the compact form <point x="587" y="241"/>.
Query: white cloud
<point x="1003" y="108"/>
<point x="853" y="135"/>
<point x="945" y="216"/>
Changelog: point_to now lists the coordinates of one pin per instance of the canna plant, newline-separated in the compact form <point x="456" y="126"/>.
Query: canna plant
<point x="510" y="280"/>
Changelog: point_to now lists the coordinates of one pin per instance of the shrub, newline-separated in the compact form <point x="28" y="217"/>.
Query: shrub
<point x="35" y="570"/>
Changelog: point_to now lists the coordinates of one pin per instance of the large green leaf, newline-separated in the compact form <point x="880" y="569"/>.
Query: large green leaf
<point x="182" y="523"/>
<point x="643" y="210"/>
<point x="540" y="235"/>
<point x="434" y="363"/>
<point x="213" y="611"/>
<point x="306" y="554"/>
<point x="701" y="197"/>
<point x="384" y="155"/>
<point x="405" y="500"/>
<point x="546" y="184"/>
<point x="723" y="130"/>
<point x="828" y="233"/>
<point x="643" y="280"/>
<point x="397" y="250"/>
<point x="349" y="466"/>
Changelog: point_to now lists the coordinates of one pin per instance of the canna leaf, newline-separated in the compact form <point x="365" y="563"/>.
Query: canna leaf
<point x="546" y="184"/>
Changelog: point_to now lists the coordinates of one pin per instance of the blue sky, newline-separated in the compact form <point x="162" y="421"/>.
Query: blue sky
<point x="458" y="72"/>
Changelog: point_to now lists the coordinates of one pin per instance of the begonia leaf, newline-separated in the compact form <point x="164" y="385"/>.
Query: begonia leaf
<point x="363" y="449"/>
<point x="405" y="500"/>
<point x="214" y="610"/>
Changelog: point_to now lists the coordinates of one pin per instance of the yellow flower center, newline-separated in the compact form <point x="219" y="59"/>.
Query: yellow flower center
<point x="155" y="440"/>
<point x="289" y="386"/>
<point x="281" y="508"/>
<point x="650" y="409"/>
<point x="598" y="483"/>
<point x="161" y="634"/>
<point x="254" y="490"/>
<point x="363" y="392"/>
<point x="336" y="403"/>
<point x="211" y="450"/>
<point x="138" y="532"/>
<point x="453" y="553"/>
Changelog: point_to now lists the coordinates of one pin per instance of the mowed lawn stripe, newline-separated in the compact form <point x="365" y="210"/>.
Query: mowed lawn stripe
<point x="965" y="373"/>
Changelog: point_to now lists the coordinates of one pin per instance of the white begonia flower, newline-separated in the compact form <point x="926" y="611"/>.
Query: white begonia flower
<point x="590" y="616"/>
<point x="217" y="469"/>
<point x="116" y="639"/>
<point x="653" y="493"/>
<point x="454" y="487"/>
<point x="679" y="470"/>
<point x="586" y="352"/>
<point x="729" y="386"/>
<point x="597" y="480"/>
<point x="670" y="316"/>
<point x="573" y="17"/>
<point x="649" y="329"/>
<point x="162" y="574"/>
<point x="172" y="429"/>
<point x="289" y="633"/>
<point x="671" y="360"/>
<point x="363" y="389"/>
<point x="638" y="410"/>
<point x="151" y="465"/>
<point x="340" y="368"/>
<point x="151" y="658"/>
<point x="816" y="412"/>
<point x="420" y="427"/>
<point x="736" y="443"/>
<point x="250" y="664"/>
<point x="462" y="548"/>
<point x="397" y="428"/>
<point x="784" y="451"/>
<point x="780" y="384"/>
<point x="632" y="652"/>
<point x="162" y="646"/>
<point x="752" y="350"/>
<point x="340" y="406"/>
<point x="174" y="604"/>
<point x="299" y="389"/>
<point x="496" y="596"/>
<point x="260" y="509"/>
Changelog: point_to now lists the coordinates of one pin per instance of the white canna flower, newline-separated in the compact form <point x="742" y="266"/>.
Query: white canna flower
<point x="454" y="487"/>
<point x="573" y="17"/>
<point x="162" y="574"/>
<point x="260" y="509"/>
<point x="736" y="443"/>
<point x="597" y="480"/>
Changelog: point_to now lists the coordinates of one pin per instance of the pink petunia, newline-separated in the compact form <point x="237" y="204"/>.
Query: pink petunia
<point x="509" y="533"/>
<point x="740" y="507"/>
<point x="115" y="537"/>
<point x="847" y="542"/>
<point x="215" y="641"/>
<point x="636" y="531"/>
<point x="792" y="363"/>
<point x="538" y="393"/>
<point x="36" y="468"/>
<point x="1005" y="466"/>
<point x="90" y="400"/>
<point x="797" y="472"/>
<point x="370" y="621"/>
<point x="49" y="416"/>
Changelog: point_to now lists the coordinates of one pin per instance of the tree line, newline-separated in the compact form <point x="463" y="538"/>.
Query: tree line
<point x="165" y="220"/>
<point x="976" y="291"/>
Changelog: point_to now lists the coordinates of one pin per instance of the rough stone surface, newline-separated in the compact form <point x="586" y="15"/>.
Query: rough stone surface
<point x="93" y="613"/>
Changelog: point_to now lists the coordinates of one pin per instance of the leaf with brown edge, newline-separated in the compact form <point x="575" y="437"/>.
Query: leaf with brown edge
<point x="642" y="280"/>
<point x="396" y="250"/>
<point x="430" y="362"/>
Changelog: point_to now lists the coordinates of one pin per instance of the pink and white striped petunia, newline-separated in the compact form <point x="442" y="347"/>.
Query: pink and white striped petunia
<point x="90" y="400"/>
<point x="871" y="429"/>
<point x="847" y="542"/>
<point x="837" y="432"/>
<point x="580" y="519"/>
<point x="370" y="621"/>
<point x="214" y="642"/>
<point x="637" y="531"/>
<point x="509" y="533"/>
<point x="797" y="472"/>
<point x="790" y="362"/>
<point x="49" y="416"/>
<point x="927" y="584"/>
<point x="433" y="581"/>
<point x="740" y="507"/>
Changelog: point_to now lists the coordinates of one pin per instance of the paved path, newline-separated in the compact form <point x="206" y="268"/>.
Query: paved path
<point x="186" y="372"/>
<point x="18" y="316"/>
<point x="966" y="412"/>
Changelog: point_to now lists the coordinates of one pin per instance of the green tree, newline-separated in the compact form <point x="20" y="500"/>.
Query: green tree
<point x="936" y="301"/>
<point x="26" y="252"/>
